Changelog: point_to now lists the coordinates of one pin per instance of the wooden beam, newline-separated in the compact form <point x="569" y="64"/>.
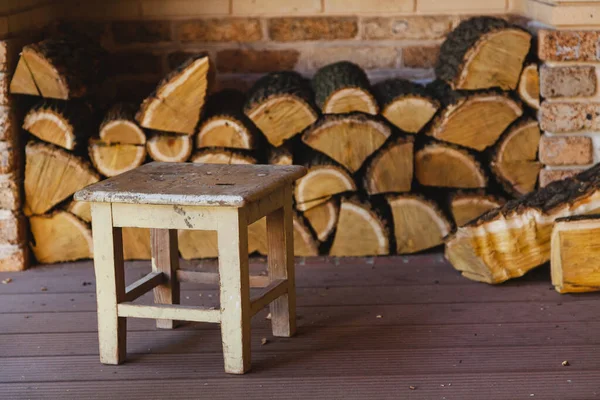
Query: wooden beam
<point x="268" y="294"/>
<point x="143" y="285"/>
<point x="169" y="311"/>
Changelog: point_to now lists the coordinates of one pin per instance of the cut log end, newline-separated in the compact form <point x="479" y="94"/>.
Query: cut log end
<point x="225" y="131"/>
<point x="22" y="81"/>
<point x="391" y="169"/>
<point x="529" y="86"/>
<point x="324" y="218"/>
<point x="466" y="207"/>
<point x="361" y="231"/>
<point x="441" y="165"/>
<point x="136" y="244"/>
<point x="319" y="184"/>
<point x="222" y="156"/>
<point x="114" y="159"/>
<point x="280" y="156"/>
<point x="81" y="209"/>
<point x="119" y="126"/>
<point x="418" y="223"/>
<point x="167" y="147"/>
<point x="410" y="113"/>
<point x="349" y="100"/>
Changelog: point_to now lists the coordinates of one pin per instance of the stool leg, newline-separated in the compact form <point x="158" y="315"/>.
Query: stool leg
<point x="110" y="284"/>
<point x="165" y="259"/>
<point x="235" y="290"/>
<point x="281" y="266"/>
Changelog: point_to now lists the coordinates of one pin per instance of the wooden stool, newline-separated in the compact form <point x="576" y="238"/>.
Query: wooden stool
<point x="166" y="197"/>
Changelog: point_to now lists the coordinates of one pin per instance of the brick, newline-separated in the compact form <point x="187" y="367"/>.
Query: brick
<point x="256" y="61"/>
<point x="9" y="125"/>
<point x="220" y="30"/>
<point x="368" y="7"/>
<point x="568" y="45"/>
<point x="184" y="8"/>
<point x="550" y="175"/>
<point x="575" y="81"/>
<point x="4" y="89"/>
<point x="461" y="6"/>
<point x="420" y="56"/>
<point x="13" y="258"/>
<point x="135" y="62"/>
<point x="10" y="194"/>
<point x="564" y="117"/>
<point x="127" y="32"/>
<point x="275" y="7"/>
<point x="96" y="30"/>
<point x="8" y="158"/>
<point x="12" y="227"/>
<point x="32" y="20"/>
<point x="368" y="57"/>
<point x="412" y="28"/>
<point x="571" y="150"/>
<point x="312" y="28"/>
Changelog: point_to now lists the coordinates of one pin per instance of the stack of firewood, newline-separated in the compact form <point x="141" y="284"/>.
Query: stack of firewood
<point x="392" y="168"/>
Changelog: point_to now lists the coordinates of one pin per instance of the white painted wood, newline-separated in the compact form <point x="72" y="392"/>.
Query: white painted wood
<point x="275" y="289"/>
<point x="143" y="285"/>
<point x="281" y="266"/>
<point x="110" y="285"/>
<point x="265" y="205"/>
<point x="235" y="291"/>
<point x="166" y="216"/>
<point x="169" y="312"/>
<point x="165" y="259"/>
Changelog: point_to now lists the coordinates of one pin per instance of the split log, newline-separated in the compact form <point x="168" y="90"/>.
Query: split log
<point x="465" y="207"/>
<point x="475" y="120"/>
<point x="323" y="180"/>
<point x="529" y="86"/>
<point x="223" y="156"/>
<point x="60" y="68"/>
<point x="169" y="147"/>
<point x="507" y="242"/>
<point x="361" y="231"/>
<point x="177" y="101"/>
<point x="335" y="134"/>
<point x="136" y="244"/>
<point x="514" y="159"/>
<point x="343" y="87"/>
<point x="483" y="52"/>
<point x="198" y="244"/>
<point x="60" y="237"/>
<point x="574" y="254"/>
<point x="419" y="224"/>
<point x="324" y="218"/>
<point x="119" y="126"/>
<point x="405" y="104"/>
<point x="13" y="257"/>
<point x="81" y="209"/>
<point x="280" y="156"/>
<point x="442" y="165"/>
<point x="52" y="175"/>
<point x="280" y="105"/>
<point x="225" y="125"/>
<point x="391" y="168"/>
<point x="114" y="159"/>
<point x="65" y="124"/>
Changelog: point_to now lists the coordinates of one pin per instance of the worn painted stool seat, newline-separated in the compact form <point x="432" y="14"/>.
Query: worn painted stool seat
<point x="166" y="197"/>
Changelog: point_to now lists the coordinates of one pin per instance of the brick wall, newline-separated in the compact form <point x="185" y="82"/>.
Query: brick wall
<point x="570" y="112"/>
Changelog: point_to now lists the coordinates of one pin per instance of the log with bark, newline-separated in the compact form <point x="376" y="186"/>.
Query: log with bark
<point x="349" y="139"/>
<point x="81" y="209"/>
<point x="65" y="124"/>
<point x="472" y="119"/>
<point x="60" y="68"/>
<point x="444" y="165"/>
<point x="136" y="244"/>
<point x="176" y="103"/>
<point x="419" y="224"/>
<point x="280" y="105"/>
<point x="52" y="175"/>
<point x="59" y="237"/>
<point x="224" y="123"/>
<point x="343" y="87"/>
<point x="324" y="218"/>
<point x="466" y="206"/>
<point x="119" y="126"/>
<point x="483" y="52"/>
<point x="391" y="167"/>
<point x="221" y="155"/>
<point x="280" y="156"/>
<point x="574" y="254"/>
<point x="514" y="158"/>
<point x="362" y="230"/>
<point x="169" y="147"/>
<point x="507" y="242"/>
<point x="405" y="104"/>
<point x="114" y="159"/>
<point x="529" y="86"/>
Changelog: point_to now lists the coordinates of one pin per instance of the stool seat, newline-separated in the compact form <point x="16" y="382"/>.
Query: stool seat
<point x="192" y="184"/>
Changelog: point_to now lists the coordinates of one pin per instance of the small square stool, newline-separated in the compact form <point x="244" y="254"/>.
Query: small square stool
<point x="166" y="197"/>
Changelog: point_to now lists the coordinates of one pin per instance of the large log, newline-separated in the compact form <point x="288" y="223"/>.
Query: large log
<point x="391" y="168"/>
<point x="472" y="119"/>
<point x="324" y="218"/>
<point x="343" y="87"/>
<point x="507" y="242"/>
<point x="280" y="105"/>
<point x="224" y="123"/>
<point x="529" y="86"/>
<point x="466" y="206"/>
<point x="60" y="237"/>
<point x="443" y="165"/>
<point x="177" y="101"/>
<point x="362" y="230"/>
<point x="514" y="158"/>
<point x="119" y="126"/>
<point x="52" y="175"/>
<point x="114" y="159"/>
<point x="405" y="104"/>
<point x="65" y="124"/>
<point x="169" y="147"/>
<point x="220" y="155"/>
<point x="61" y="68"/>
<point x="483" y="52"/>
<point x="335" y="134"/>
<point x="419" y="224"/>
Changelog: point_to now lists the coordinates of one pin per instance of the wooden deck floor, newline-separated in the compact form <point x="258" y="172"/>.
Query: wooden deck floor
<point x="368" y="329"/>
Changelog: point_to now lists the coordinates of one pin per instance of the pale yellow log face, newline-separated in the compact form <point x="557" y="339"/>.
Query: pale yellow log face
<point x="410" y="113"/>
<point x="320" y="183"/>
<point x="443" y="166"/>
<point x="222" y="132"/>
<point x="60" y="237"/>
<point x="136" y="244"/>
<point x="51" y="127"/>
<point x="47" y="79"/>
<point x="323" y="218"/>
<point x="579" y="260"/>
<point x="465" y="210"/>
<point x="392" y="170"/>
<point x="22" y="80"/>
<point x="112" y="160"/>
<point x="123" y="132"/>
<point x="359" y="233"/>
<point x="529" y="86"/>
<point x="349" y="100"/>
<point x="170" y="148"/>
